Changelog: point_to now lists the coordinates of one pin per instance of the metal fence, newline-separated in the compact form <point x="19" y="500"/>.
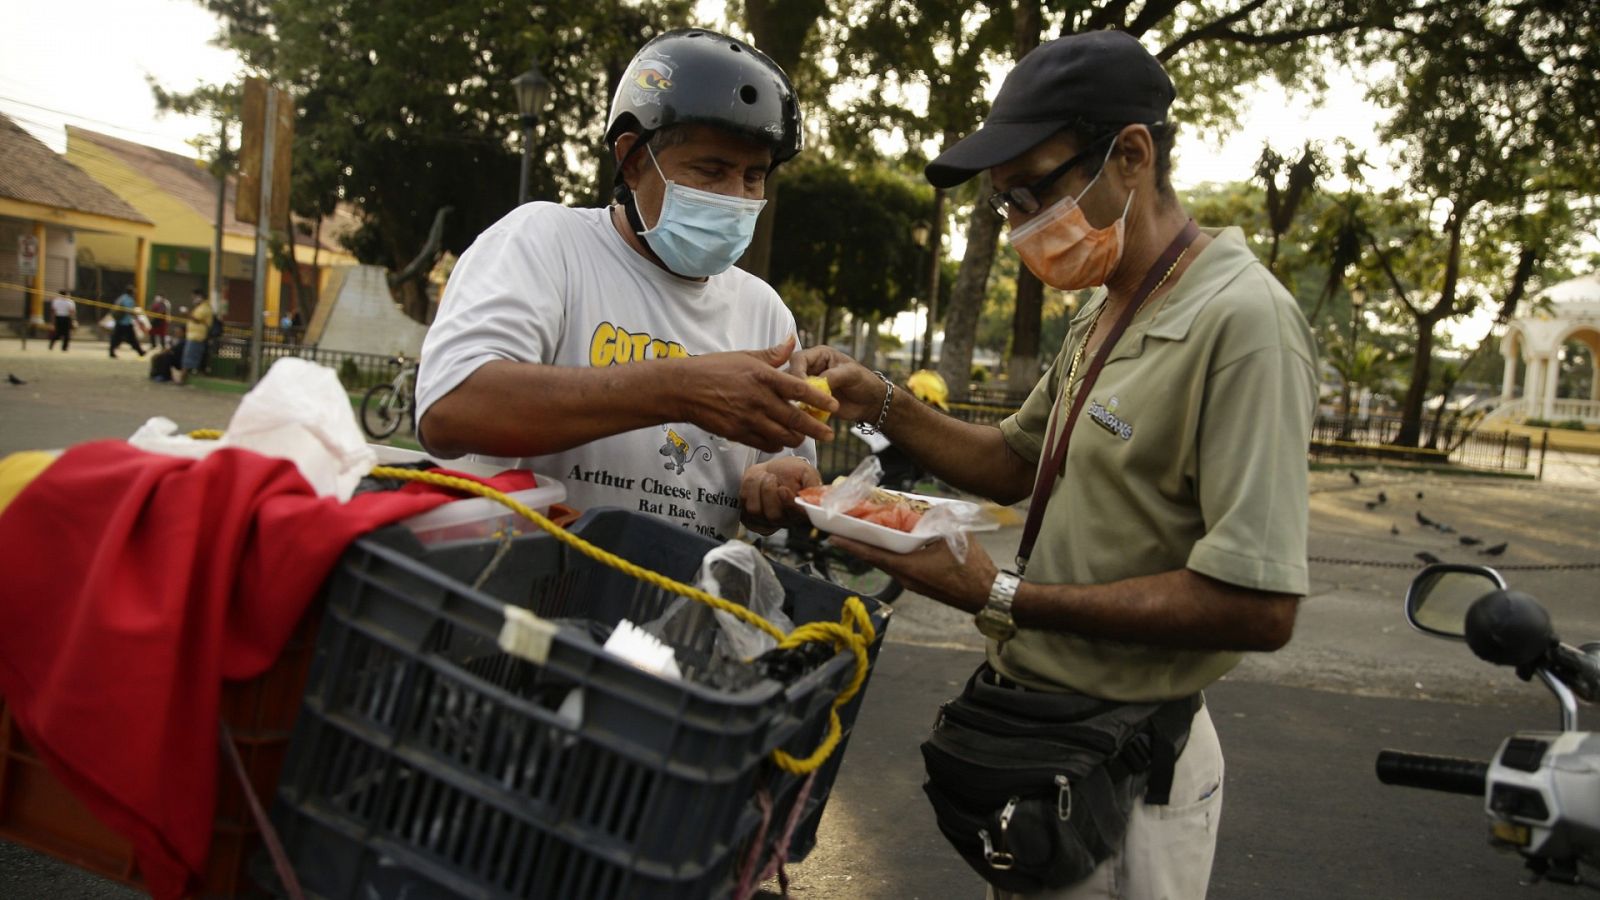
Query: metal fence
<point x="357" y="371"/>
<point x="1337" y="438"/>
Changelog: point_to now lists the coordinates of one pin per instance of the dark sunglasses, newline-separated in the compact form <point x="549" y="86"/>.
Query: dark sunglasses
<point x="1025" y="200"/>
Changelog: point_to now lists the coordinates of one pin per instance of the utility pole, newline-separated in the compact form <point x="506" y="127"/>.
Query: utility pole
<point x="263" y="228"/>
<point x="219" y="304"/>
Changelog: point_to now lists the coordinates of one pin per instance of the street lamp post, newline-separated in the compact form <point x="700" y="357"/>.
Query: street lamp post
<point x="1358" y="300"/>
<point x="919" y="235"/>
<point x="533" y="92"/>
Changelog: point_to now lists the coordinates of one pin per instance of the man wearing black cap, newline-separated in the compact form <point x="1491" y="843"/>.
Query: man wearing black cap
<point x="1172" y="536"/>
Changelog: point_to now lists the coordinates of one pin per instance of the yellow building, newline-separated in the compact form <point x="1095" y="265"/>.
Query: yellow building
<point x="48" y="208"/>
<point x="179" y="196"/>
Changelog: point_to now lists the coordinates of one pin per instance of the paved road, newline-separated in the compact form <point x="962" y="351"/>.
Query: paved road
<point x="1304" y="815"/>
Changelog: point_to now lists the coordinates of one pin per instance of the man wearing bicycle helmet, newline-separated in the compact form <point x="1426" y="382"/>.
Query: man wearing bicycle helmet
<point x="618" y="349"/>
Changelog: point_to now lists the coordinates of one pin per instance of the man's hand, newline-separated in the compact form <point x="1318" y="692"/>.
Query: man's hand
<point x="768" y="490"/>
<point x="933" y="571"/>
<point x="859" y="392"/>
<point x="746" y="396"/>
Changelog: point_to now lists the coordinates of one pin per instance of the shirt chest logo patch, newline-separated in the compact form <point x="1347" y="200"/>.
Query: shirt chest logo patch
<point x="1105" y="415"/>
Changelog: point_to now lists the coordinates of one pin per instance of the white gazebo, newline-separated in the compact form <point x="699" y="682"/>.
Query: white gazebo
<point x="1537" y="339"/>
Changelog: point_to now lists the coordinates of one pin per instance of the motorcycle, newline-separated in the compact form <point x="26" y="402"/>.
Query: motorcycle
<point x="1542" y="788"/>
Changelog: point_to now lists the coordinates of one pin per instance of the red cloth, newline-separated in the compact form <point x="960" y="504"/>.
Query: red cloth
<point x="132" y="585"/>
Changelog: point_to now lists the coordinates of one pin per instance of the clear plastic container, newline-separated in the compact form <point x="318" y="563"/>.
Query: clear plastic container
<point x="479" y="517"/>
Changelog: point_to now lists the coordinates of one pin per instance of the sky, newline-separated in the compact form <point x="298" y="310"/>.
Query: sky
<point x="84" y="62"/>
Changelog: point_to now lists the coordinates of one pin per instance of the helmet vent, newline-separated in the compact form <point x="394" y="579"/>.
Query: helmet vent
<point x="734" y="48"/>
<point x="748" y="94"/>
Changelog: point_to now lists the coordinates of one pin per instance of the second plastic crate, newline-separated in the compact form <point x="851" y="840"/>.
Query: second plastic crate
<point x="427" y="760"/>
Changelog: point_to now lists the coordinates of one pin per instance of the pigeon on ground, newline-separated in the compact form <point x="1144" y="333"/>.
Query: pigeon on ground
<point x="1354" y="478"/>
<point x="1419" y="495"/>
<point x="1382" y="497"/>
<point x="1427" y="557"/>
<point x="1372" y="504"/>
<point x="1425" y="521"/>
<point x="1394" y="529"/>
<point x="1443" y="528"/>
<point x="14" y="379"/>
<point x="1496" y="550"/>
<point x="1470" y="541"/>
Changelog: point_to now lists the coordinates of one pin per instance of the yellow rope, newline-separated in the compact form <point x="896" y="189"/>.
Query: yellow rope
<point x="853" y="631"/>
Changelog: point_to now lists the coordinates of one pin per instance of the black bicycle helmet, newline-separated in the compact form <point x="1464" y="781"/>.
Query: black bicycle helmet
<point x="695" y="76"/>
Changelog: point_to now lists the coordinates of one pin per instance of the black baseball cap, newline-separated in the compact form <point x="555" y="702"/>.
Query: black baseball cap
<point x="1100" y="76"/>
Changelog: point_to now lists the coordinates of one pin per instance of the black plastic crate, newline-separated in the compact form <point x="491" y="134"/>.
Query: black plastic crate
<point x="427" y="759"/>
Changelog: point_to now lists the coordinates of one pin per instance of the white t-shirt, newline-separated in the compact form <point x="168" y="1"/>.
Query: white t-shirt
<point x="548" y="284"/>
<point x="63" y="306"/>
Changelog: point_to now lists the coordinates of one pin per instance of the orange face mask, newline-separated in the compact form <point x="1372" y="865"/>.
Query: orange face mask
<point x="1064" y="250"/>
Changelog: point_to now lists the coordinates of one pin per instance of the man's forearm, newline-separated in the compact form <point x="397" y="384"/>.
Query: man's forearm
<point x="974" y="458"/>
<point x="515" y="409"/>
<point x="1181" y="608"/>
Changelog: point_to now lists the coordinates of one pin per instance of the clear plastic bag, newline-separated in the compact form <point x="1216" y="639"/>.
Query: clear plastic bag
<point x="949" y="520"/>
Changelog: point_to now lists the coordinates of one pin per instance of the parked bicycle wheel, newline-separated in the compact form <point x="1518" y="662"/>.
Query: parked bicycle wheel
<point x="382" y="411"/>
<point x="855" y="575"/>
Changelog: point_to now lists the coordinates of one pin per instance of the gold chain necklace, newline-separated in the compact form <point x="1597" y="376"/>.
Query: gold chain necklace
<point x="1077" y="358"/>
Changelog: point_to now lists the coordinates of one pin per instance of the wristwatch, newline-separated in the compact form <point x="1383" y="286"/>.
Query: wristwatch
<point x="994" y="620"/>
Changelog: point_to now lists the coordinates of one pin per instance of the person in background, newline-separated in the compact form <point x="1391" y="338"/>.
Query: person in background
<point x="160" y="311"/>
<point x="64" y="312"/>
<point x="196" y="330"/>
<point x="122" y="331"/>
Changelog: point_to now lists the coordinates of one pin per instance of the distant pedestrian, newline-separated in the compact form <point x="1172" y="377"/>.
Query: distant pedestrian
<point x="65" y="313"/>
<point x="160" y="311"/>
<point x="122" y="331"/>
<point x="297" y="325"/>
<point x="201" y="316"/>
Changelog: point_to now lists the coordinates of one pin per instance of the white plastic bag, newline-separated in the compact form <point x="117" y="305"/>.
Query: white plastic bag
<point x="299" y="411"/>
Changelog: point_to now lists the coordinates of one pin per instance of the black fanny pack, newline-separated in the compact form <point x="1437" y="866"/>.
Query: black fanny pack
<point x="1034" y="789"/>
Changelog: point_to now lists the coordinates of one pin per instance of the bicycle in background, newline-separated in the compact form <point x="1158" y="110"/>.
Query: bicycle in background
<point x="385" y="406"/>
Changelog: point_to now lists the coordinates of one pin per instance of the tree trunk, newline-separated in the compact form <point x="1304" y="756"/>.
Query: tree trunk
<point x="1417" y="392"/>
<point x="606" y="172"/>
<point x="1027" y="320"/>
<point x="1422" y="362"/>
<point x="757" y="258"/>
<point x="935" y="254"/>
<point x="779" y="30"/>
<point x="967" y="296"/>
<point x="1026" y="324"/>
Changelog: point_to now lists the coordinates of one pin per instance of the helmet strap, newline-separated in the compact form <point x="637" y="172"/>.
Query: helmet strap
<point x="622" y="194"/>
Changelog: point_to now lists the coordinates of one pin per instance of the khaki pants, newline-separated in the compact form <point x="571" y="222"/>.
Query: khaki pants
<point x="1167" y="852"/>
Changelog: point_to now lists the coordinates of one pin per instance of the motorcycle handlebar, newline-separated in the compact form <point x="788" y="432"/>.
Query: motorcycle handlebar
<point x="1435" y="773"/>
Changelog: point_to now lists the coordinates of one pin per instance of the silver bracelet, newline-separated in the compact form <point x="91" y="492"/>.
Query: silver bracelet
<point x="883" y="414"/>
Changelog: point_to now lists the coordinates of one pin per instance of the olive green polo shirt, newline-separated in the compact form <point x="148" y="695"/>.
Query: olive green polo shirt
<point x="1190" y="452"/>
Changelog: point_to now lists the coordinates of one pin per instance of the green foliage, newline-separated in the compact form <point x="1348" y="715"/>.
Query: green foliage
<point x="406" y="106"/>
<point x="1536" y="423"/>
<point x="843" y="237"/>
<point x="1572" y="425"/>
<point x="350" y="374"/>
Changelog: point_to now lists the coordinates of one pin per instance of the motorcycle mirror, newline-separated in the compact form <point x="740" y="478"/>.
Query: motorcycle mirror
<point x="1440" y="595"/>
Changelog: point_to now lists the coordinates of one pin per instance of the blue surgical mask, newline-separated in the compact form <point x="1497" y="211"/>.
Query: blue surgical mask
<point x="700" y="233"/>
